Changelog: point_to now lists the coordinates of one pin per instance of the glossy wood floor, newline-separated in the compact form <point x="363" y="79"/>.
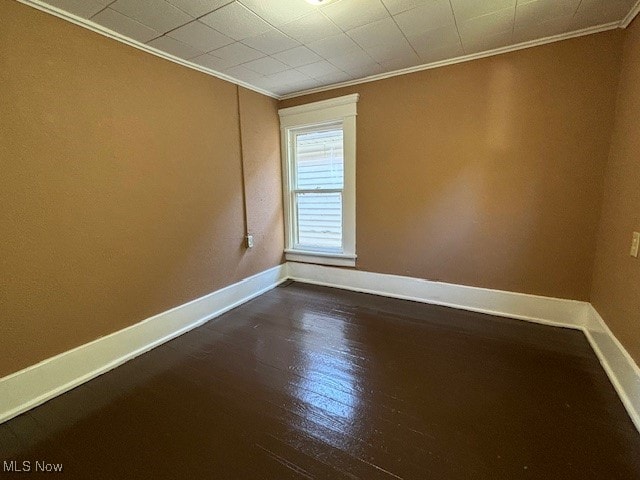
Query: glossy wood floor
<point x="312" y="382"/>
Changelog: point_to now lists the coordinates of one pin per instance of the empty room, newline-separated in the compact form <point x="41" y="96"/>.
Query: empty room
<point x="320" y="239"/>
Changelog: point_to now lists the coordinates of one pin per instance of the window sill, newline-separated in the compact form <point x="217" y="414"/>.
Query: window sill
<point x="321" y="258"/>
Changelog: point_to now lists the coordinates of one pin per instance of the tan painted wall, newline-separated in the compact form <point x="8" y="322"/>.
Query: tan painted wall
<point x="488" y="173"/>
<point x="616" y="278"/>
<point x="263" y="181"/>
<point x="121" y="190"/>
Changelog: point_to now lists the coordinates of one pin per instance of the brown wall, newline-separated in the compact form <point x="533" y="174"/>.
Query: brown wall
<point x="121" y="185"/>
<point x="616" y="278"/>
<point x="488" y="173"/>
<point x="263" y="181"/>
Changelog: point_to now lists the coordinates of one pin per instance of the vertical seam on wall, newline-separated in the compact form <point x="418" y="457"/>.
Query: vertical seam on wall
<point x="244" y="187"/>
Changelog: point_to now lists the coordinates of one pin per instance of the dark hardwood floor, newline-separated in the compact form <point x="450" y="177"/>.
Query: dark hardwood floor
<point x="313" y="382"/>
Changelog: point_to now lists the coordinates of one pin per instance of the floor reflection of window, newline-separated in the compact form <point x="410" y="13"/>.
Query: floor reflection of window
<point x="327" y="386"/>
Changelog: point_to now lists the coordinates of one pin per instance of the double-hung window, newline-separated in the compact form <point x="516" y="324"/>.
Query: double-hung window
<point x="318" y="150"/>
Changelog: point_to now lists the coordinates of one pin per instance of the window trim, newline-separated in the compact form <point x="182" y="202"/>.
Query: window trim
<point x="337" y="110"/>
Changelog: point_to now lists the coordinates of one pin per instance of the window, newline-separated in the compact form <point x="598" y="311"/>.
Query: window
<point x="318" y="151"/>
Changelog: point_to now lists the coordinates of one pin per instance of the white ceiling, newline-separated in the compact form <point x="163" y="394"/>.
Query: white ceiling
<point x="287" y="46"/>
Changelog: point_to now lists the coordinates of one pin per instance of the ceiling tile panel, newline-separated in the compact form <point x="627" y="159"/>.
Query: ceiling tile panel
<point x="336" y="45"/>
<point x="486" y="26"/>
<point x="542" y="10"/>
<point x="214" y="63"/>
<point x="157" y="14"/>
<point x="175" y="47"/>
<point x="297" y="57"/>
<point x="386" y="53"/>
<point x="81" y="8"/>
<point x="400" y="63"/>
<point x="124" y="25"/>
<point x="319" y="69"/>
<point x="310" y="28"/>
<point x="266" y="66"/>
<point x="464" y="9"/>
<point x="282" y="89"/>
<point x="363" y="71"/>
<point x="236" y="21"/>
<point x="271" y="42"/>
<point x="444" y="52"/>
<point x="278" y="12"/>
<point x="291" y="76"/>
<point x="352" y="60"/>
<point x="200" y="36"/>
<point x="598" y="12"/>
<point x="237" y="53"/>
<point x="399" y="6"/>
<point x="382" y="32"/>
<point x="269" y="84"/>
<point x="305" y="85"/>
<point x="528" y="32"/>
<point x="488" y="42"/>
<point x="197" y="8"/>
<point x="427" y="17"/>
<point x="435" y="38"/>
<point x="348" y="14"/>
<point x="242" y="73"/>
<point x="335" y="77"/>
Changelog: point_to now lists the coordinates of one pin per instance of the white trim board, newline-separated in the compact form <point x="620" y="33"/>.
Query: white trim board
<point x="550" y="311"/>
<point x="54" y="376"/>
<point x="36" y="384"/>
<point x="622" y="371"/>
<point x="631" y="15"/>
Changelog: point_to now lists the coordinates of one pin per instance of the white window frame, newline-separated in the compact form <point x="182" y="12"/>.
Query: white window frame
<point x="337" y="110"/>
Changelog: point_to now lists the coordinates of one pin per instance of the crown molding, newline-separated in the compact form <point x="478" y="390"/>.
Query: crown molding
<point x="461" y="59"/>
<point x="311" y="107"/>
<point x="83" y="22"/>
<point x="624" y="23"/>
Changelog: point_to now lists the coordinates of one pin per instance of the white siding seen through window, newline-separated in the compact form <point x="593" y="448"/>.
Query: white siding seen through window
<point x="319" y="181"/>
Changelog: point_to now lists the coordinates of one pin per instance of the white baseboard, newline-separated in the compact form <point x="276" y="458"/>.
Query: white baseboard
<point x="616" y="361"/>
<point x="35" y="385"/>
<point x="551" y="311"/>
<point x="38" y="383"/>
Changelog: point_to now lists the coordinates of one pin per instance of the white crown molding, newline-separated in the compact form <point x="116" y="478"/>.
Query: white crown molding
<point x="461" y="59"/>
<point x="38" y="4"/>
<point x="34" y="385"/>
<point x="83" y="22"/>
<point x="346" y="100"/>
<point x="319" y="112"/>
<point x="624" y="23"/>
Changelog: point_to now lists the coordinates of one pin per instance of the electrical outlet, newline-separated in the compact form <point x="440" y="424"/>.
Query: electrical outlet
<point x="635" y="243"/>
<point x="249" y="239"/>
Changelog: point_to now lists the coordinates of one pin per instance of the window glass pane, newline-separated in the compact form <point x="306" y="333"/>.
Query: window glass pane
<point x="319" y="160"/>
<point x="319" y="218"/>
